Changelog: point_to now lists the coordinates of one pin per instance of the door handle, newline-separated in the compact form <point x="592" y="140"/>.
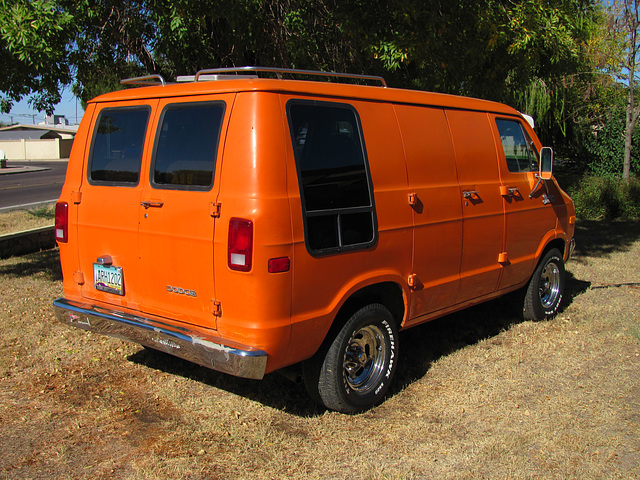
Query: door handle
<point x="149" y="203"/>
<point x="504" y="190"/>
<point x="469" y="193"/>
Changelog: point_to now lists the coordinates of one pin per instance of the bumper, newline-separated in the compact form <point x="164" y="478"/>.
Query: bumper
<point x="572" y="247"/>
<point x="191" y="345"/>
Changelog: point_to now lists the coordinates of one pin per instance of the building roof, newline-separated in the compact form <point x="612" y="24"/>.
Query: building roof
<point x="35" y="132"/>
<point x="21" y="134"/>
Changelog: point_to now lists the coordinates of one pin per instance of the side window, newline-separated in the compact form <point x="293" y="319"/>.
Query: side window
<point x="517" y="146"/>
<point x="335" y="186"/>
<point x="116" y="151"/>
<point x="186" y="146"/>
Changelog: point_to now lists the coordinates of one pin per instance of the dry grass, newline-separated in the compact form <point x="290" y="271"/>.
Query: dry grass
<point x="480" y="394"/>
<point x="19" y="220"/>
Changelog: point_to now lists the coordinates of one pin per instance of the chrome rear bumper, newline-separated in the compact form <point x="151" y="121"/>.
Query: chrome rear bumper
<point x="572" y="247"/>
<point x="209" y="351"/>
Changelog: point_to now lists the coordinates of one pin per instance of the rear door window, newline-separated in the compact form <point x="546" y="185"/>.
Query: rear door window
<point x="118" y="141"/>
<point x="335" y="185"/>
<point x="186" y="146"/>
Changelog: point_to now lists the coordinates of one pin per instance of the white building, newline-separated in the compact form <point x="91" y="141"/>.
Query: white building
<point x="37" y="142"/>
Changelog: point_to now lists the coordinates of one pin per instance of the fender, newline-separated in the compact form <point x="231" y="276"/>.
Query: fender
<point x="550" y="236"/>
<point x="309" y="331"/>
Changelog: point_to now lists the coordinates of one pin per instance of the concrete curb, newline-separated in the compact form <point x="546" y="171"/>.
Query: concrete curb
<point x="22" y="166"/>
<point x="28" y="241"/>
<point x="20" y="169"/>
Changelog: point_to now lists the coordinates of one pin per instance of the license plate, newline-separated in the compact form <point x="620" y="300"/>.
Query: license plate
<point x="108" y="279"/>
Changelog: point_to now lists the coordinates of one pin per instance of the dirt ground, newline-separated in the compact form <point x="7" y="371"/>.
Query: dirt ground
<point x="479" y="394"/>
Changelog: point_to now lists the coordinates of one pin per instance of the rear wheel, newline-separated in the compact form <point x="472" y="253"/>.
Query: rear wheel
<point x="353" y="372"/>
<point x="546" y="287"/>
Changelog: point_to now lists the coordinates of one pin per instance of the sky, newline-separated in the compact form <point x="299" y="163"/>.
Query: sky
<point x="22" y="112"/>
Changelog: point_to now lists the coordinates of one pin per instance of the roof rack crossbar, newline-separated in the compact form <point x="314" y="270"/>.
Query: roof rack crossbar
<point x="280" y="71"/>
<point x="146" y="80"/>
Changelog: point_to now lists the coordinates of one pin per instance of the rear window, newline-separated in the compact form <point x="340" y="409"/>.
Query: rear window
<point x="118" y="141"/>
<point x="187" y="145"/>
<point x="335" y="186"/>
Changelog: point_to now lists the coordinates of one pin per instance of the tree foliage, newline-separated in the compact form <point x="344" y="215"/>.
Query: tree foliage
<point x="521" y="52"/>
<point x="607" y="146"/>
<point x="609" y="114"/>
<point x="626" y="27"/>
<point x="35" y="39"/>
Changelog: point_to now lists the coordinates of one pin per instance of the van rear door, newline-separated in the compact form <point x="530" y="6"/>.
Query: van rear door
<point x="108" y="210"/>
<point x="178" y="209"/>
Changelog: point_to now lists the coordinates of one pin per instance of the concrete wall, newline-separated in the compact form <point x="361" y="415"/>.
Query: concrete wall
<point x="36" y="149"/>
<point x="26" y="242"/>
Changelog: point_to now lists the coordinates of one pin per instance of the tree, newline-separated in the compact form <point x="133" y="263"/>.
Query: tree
<point x="518" y="52"/>
<point x="515" y="51"/>
<point x="35" y="39"/>
<point x="627" y="26"/>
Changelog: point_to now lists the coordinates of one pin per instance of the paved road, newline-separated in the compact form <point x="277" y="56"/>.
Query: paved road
<point x="29" y="188"/>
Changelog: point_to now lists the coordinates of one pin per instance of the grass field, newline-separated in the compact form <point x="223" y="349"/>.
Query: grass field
<point x="479" y="394"/>
<point x="20" y="220"/>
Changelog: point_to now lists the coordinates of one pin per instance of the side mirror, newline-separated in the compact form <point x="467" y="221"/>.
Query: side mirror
<point x="546" y="163"/>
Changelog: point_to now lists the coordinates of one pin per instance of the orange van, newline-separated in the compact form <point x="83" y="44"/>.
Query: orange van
<point x="248" y="224"/>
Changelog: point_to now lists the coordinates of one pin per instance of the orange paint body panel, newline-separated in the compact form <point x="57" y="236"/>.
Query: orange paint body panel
<point x="363" y="194"/>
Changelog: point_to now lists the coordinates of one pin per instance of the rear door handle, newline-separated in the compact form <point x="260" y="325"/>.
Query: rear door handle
<point x="150" y="203"/>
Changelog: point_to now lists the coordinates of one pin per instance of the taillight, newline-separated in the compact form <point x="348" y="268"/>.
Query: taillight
<point x="62" y="222"/>
<point x="240" y="244"/>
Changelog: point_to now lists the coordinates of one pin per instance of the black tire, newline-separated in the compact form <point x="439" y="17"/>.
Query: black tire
<point x="545" y="290"/>
<point x="354" y="370"/>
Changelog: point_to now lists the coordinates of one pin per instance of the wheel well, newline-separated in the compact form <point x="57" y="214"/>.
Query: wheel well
<point x="388" y="294"/>
<point x="557" y="243"/>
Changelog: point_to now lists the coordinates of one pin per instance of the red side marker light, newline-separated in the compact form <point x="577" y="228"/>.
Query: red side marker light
<point x="278" y="265"/>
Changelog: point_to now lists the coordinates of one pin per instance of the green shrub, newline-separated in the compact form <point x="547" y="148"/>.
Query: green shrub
<point x="606" y="147"/>
<point x="607" y="198"/>
<point x="631" y="198"/>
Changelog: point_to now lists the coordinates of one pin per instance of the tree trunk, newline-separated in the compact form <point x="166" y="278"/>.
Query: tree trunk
<point x="628" y="136"/>
<point x="631" y="9"/>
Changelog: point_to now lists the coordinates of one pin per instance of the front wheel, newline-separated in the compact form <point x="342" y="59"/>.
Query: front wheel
<point x="546" y="287"/>
<point x="354" y="372"/>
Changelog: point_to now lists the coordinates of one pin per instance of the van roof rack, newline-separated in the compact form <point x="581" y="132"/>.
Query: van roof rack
<point x="288" y="71"/>
<point x="241" y="72"/>
<point x="147" y="80"/>
<point x="192" y="78"/>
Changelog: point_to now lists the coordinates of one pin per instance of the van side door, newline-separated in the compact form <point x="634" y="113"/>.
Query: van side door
<point x="482" y="205"/>
<point x="437" y="207"/>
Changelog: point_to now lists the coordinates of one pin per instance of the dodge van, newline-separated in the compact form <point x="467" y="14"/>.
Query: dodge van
<point x="250" y="219"/>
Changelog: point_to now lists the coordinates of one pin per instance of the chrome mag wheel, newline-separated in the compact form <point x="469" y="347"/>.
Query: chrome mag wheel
<point x="365" y="359"/>
<point x="550" y="285"/>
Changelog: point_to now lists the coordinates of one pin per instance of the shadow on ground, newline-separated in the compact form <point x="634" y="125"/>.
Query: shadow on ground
<point x="596" y="238"/>
<point x="420" y="348"/>
<point x="274" y="390"/>
<point x="46" y="262"/>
